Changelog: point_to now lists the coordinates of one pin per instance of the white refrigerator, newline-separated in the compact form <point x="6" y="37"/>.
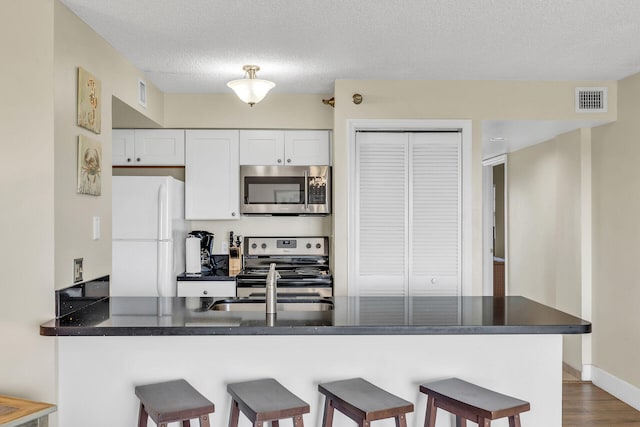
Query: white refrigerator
<point x="148" y="235"/>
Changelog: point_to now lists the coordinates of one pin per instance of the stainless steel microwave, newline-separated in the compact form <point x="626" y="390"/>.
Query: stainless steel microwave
<point x="285" y="190"/>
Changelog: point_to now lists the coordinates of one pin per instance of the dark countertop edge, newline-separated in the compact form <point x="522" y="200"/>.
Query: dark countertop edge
<point x="49" y="330"/>
<point x="205" y="278"/>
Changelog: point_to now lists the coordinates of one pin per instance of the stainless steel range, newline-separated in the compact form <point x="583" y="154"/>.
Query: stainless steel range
<point x="303" y="264"/>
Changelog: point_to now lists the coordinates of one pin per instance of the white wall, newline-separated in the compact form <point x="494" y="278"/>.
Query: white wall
<point x="472" y="100"/>
<point x="76" y="45"/>
<point x="545" y="259"/>
<point x="616" y="239"/>
<point x="43" y="223"/>
<point x="27" y="360"/>
<point x="397" y="363"/>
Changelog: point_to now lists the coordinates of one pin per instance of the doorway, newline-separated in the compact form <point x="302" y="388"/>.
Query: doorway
<point x="495" y="264"/>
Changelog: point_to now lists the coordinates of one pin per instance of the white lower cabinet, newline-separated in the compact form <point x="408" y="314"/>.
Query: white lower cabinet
<point x="204" y="288"/>
<point x="212" y="175"/>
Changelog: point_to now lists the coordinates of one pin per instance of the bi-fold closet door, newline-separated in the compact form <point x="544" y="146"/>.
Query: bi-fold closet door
<point x="408" y="222"/>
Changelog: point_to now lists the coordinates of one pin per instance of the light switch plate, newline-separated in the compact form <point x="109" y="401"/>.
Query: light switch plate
<point x="96" y="228"/>
<point x="77" y="270"/>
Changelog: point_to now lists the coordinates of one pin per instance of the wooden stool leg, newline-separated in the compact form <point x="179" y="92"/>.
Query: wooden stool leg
<point x="275" y="423"/>
<point x="430" y="418"/>
<point x="401" y="421"/>
<point x="297" y="421"/>
<point x="363" y="423"/>
<point x="142" y="417"/>
<point x="327" y="418"/>
<point x="514" y="420"/>
<point x="484" y="422"/>
<point x="462" y="422"/>
<point x="186" y="423"/>
<point x="257" y="424"/>
<point x="234" y="414"/>
<point x="204" y="420"/>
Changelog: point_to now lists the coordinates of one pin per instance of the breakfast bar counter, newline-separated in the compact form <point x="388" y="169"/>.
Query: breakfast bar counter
<point x="511" y="345"/>
<point x="140" y="316"/>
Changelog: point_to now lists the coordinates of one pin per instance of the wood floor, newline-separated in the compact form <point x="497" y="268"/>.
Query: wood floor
<point x="585" y="405"/>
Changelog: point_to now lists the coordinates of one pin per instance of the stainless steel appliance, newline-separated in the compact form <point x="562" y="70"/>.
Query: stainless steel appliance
<point x="285" y="190"/>
<point x="302" y="262"/>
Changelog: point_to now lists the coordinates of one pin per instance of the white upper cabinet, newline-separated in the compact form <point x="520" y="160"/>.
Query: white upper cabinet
<point x="148" y="147"/>
<point x="212" y="175"/>
<point x="261" y="147"/>
<point x="307" y="147"/>
<point x="284" y="147"/>
<point x="122" y="151"/>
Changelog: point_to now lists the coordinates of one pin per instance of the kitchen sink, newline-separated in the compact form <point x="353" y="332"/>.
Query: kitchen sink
<point x="284" y="304"/>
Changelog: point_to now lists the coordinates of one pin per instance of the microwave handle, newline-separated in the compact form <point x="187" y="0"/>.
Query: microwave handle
<point x="306" y="190"/>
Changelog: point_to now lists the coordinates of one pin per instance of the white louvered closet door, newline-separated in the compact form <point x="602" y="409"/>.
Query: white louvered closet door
<point x="381" y="217"/>
<point x="408" y="218"/>
<point x="434" y="213"/>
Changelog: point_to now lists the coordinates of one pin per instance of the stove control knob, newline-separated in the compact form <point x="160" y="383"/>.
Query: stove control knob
<point x="318" y="245"/>
<point x="264" y="246"/>
<point x="253" y="246"/>
<point x="308" y="245"/>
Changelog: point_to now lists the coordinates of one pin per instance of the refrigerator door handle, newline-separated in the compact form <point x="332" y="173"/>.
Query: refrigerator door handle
<point x="163" y="213"/>
<point x="163" y="226"/>
<point x="164" y="280"/>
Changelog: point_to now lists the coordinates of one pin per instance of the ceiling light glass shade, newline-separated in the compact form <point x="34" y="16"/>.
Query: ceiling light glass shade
<point x="250" y="89"/>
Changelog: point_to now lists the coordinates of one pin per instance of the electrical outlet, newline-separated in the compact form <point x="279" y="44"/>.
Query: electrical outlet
<point x="77" y="270"/>
<point x="224" y="247"/>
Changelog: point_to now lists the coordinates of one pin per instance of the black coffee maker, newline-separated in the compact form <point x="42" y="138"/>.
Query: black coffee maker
<point x="206" y="248"/>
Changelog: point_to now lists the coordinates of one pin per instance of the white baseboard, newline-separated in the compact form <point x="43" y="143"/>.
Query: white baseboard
<point x="587" y="372"/>
<point x="621" y="389"/>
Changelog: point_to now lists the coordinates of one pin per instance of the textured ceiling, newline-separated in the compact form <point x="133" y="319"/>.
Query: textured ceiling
<point x="196" y="46"/>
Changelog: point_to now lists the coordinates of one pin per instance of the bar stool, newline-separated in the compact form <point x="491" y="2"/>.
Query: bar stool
<point x="470" y="402"/>
<point x="172" y="401"/>
<point x="265" y="400"/>
<point x="363" y="402"/>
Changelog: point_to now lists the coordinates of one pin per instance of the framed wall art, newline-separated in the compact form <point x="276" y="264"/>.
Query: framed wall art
<point x="89" y="166"/>
<point x="89" y="101"/>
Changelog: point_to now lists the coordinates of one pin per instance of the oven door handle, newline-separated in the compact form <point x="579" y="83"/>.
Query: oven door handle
<point x="287" y="295"/>
<point x="306" y="190"/>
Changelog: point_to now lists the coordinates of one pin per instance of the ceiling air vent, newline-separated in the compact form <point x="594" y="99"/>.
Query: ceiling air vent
<point x="591" y="100"/>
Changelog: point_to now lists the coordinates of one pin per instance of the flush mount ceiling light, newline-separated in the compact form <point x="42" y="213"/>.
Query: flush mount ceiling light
<point x="250" y="89"/>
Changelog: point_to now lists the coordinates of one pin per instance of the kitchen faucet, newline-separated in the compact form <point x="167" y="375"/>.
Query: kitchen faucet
<point x="272" y="289"/>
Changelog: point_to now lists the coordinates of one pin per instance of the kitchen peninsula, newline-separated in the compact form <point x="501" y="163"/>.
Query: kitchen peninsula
<point x="512" y="345"/>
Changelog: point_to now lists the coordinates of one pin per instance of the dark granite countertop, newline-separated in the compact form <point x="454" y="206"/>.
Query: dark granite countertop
<point x="143" y="316"/>
<point x="219" y="271"/>
<point x="207" y="276"/>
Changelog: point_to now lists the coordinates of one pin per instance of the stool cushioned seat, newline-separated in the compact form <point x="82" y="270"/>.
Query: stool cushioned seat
<point x="363" y="402"/>
<point x="265" y="400"/>
<point x="470" y="402"/>
<point x="172" y="401"/>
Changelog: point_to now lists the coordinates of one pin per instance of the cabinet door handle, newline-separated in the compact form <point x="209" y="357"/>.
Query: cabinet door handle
<point x="205" y="292"/>
<point x="306" y="190"/>
<point x="233" y="214"/>
<point x="129" y="159"/>
<point x="138" y="159"/>
<point x="288" y="160"/>
<point x="279" y="160"/>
